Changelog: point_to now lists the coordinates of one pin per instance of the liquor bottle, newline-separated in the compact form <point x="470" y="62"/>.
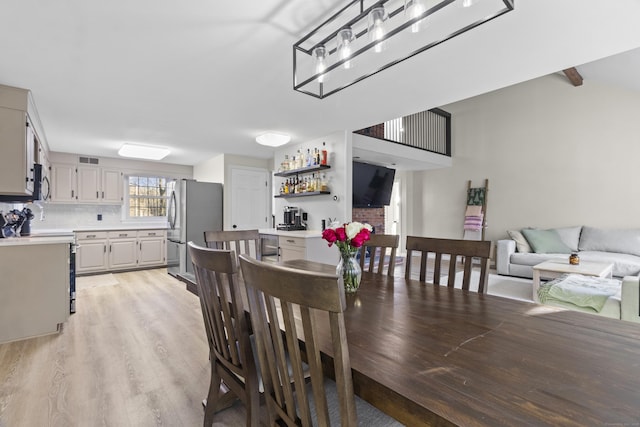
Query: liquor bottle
<point x="325" y="154"/>
<point x="309" y="159"/>
<point x="324" y="186"/>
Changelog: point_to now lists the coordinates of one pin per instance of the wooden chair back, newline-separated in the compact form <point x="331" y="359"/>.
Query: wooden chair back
<point x="467" y="249"/>
<point x="302" y="304"/>
<point x="239" y="241"/>
<point x="227" y="328"/>
<point x="382" y="242"/>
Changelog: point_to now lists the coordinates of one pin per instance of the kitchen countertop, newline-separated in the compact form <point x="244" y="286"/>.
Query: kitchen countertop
<point x="59" y="231"/>
<point x="304" y="234"/>
<point x="35" y="240"/>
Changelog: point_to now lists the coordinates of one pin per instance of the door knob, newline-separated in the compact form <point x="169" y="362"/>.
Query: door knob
<point x="234" y="226"/>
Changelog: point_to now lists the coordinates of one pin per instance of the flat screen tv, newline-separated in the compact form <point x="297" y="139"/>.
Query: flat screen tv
<point x="372" y="185"/>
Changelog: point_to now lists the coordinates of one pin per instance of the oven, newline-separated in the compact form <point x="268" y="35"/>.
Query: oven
<point x="269" y="247"/>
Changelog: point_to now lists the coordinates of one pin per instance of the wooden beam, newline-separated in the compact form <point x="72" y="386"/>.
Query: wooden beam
<point x="573" y="75"/>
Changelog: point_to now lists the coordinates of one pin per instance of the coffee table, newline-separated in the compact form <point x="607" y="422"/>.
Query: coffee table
<point x="556" y="268"/>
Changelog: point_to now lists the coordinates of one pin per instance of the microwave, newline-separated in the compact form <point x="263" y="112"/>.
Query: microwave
<point x="40" y="189"/>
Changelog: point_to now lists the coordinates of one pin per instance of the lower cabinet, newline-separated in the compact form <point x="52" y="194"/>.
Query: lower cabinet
<point x="91" y="252"/>
<point x="292" y="248"/>
<point x="312" y="248"/>
<point x="120" y="250"/>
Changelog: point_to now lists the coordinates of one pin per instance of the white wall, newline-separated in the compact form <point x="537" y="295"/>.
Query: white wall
<point x="339" y="178"/>
<point x="555" y="155"/>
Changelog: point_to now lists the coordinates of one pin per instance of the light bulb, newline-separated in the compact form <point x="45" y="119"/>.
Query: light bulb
<point x="376" y="18"/>
<point x="468" y="3"/>
<point x="320" y="53"/>
<point x="344" y="40"/>
<point x="413" y="9"/>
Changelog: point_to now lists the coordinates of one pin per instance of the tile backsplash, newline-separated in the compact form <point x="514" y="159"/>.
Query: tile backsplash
<point x="49" y="216"/>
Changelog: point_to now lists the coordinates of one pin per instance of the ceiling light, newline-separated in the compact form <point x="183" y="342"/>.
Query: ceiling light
<point x="369" y="36"/>
<point x="146" y="152"/>
<point x="273" y="139"/>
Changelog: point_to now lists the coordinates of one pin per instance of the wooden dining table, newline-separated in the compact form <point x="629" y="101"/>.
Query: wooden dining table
<point x="430" y="355"/>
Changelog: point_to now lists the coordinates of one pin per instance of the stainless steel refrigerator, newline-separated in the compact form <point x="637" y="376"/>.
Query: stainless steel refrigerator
<point x="194" y="207"/>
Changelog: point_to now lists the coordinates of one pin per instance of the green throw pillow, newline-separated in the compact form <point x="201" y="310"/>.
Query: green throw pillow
<point x="545" y="241"/>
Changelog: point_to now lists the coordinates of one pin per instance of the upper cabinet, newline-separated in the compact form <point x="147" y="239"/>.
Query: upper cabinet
<point x="86" y="184"/>
<point x="19" y="140"/>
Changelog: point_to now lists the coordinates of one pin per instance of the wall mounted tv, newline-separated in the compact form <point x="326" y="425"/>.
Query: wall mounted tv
<point x="372" y="185"/>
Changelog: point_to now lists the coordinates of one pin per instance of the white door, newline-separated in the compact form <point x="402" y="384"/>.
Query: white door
<point x="250" y="198"/>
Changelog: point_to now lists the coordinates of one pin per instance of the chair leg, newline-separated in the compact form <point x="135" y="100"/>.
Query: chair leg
<point x="212" y="397"/>
<point x="253" y="408"/>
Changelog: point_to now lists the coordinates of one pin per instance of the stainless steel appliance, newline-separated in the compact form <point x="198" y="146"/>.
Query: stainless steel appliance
<point x="194" y="207"/>
<point x="294" y="219"/>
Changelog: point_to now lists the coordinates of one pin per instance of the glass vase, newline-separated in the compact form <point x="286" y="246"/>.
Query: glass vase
<point x="349" y="268"/>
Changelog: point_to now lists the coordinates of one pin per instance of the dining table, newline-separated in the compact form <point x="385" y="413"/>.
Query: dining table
<point x="429" y="355"/>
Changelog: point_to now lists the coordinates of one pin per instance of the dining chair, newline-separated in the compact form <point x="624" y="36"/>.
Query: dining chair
<point x="382" y="242"/>
<point x="449" y="250"/>
<point x="240" y="241"/>
<point x="289" y="306"/>
<point x="227" y="328"/>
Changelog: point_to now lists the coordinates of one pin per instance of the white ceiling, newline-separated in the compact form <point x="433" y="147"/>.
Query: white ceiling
<point x="205" y="77"/>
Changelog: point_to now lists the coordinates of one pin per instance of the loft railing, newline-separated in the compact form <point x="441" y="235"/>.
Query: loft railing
<point x="428" y="130"/>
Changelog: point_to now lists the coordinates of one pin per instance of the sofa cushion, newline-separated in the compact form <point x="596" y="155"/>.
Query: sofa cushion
<point x="620" y="241"/>
<point x="545" y="241"/>
<point x="623" y="264"/>
<point x="570" y="236"/>
<point x="521" y="243"/>
<point x="532" y="259"/>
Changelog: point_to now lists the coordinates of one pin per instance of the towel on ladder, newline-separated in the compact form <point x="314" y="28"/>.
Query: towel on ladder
<point x="475" y="197"/>
<point x="473" y="222"/>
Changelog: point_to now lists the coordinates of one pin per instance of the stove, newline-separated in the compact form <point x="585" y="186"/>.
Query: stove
<point x="291" y="227"/>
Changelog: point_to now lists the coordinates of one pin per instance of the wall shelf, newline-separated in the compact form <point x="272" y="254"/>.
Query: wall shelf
<point x="308" y="193"/>
<point x="300" y="171"/>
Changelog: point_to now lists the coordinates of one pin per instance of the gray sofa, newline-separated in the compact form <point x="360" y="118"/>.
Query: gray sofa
<point x="617" y="246"/>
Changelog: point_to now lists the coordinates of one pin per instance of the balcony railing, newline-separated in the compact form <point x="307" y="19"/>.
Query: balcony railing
<point x="428" y="130"/>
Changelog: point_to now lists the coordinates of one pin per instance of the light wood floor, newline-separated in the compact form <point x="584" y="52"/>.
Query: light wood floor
<point x="134" y="354"/>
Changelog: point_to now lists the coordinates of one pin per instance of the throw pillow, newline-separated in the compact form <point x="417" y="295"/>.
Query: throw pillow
<point x="570" y="236"/>
<point x="521" y="243"/>
<point x="545" y="241"/>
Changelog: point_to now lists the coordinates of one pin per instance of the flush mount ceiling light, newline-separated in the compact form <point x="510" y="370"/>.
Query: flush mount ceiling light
<point x="367" y="36"/>
<point x="273" y="139"/>
<point x="146" y="152"/>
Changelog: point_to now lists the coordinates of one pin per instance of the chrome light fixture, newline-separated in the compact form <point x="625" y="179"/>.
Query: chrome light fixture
<point x="368" y="36"/>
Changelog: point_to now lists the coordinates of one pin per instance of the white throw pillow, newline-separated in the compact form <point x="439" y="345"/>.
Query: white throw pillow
<point x="521" y="243"/>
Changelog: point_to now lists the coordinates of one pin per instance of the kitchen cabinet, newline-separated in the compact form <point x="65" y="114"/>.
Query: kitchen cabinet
<point x="87" y="184"/>
<point x="91" y="252"/>
<point x="152" y="247"/>
<point x="123" y="250"/>
<point x="19" y="143"/>
<point x="103" y="251"/>
<point x="303" y="244"/>
<point x="63" y="183"/>
<point x="34" y="295"/>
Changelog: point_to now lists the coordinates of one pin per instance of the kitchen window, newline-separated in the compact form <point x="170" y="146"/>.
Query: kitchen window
<point x="147" y="196"/>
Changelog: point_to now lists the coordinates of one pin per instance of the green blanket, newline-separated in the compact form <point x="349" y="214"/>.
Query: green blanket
<point x="581" y="291"/>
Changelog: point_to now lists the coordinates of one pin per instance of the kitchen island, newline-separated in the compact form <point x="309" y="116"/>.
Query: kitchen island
<point x="300" y="244"/>
<point x="34" y="285"/>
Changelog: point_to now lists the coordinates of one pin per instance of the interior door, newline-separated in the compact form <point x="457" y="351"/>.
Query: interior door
<point x="250" y="198"/>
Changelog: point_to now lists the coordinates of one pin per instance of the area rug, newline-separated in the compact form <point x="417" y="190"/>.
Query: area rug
<point x="88" y="282"/>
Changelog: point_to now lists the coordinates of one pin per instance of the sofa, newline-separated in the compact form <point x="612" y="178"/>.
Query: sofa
<point x="527" y="247"/>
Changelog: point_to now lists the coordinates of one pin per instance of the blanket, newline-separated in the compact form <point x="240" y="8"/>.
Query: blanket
<point x="581" y="291"/>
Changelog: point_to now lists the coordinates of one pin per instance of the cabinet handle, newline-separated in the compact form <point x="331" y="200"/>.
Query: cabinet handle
<point x="290" y="241"/>
<point x="109" y="248"/>
<point x="72" y="194"/>
<point x="123" y="234"/>
<point x="103" y="194"/>
<point x="97" y="196"/>
<point x="152" y="234"/>
<point x="105" y="249"/>
<point x="91" y="236"/>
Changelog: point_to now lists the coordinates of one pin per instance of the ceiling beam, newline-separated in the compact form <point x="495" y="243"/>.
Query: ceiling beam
<point x="573" y="75"/>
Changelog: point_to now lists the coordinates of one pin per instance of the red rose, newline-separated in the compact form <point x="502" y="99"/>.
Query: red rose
<point x="341" y="234"/>
<point x="358" y="240"/>
<point x="329" y="235"/>
<point x="366" y="234"/>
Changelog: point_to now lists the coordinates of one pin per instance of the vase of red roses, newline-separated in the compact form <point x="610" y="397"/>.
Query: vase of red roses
<point x="348" y="238"/>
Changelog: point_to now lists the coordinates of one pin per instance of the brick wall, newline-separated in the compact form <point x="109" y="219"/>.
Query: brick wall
<point x="373" y="216"/>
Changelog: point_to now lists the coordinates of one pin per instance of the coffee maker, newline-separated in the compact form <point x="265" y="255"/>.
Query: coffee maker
<point x="294" y="219"/>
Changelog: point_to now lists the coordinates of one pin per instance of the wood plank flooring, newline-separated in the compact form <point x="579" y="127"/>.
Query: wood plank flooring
<point x="134" y="354"/>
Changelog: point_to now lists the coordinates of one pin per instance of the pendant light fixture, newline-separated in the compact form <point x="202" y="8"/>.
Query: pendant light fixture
<point x="369" y="36"/>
